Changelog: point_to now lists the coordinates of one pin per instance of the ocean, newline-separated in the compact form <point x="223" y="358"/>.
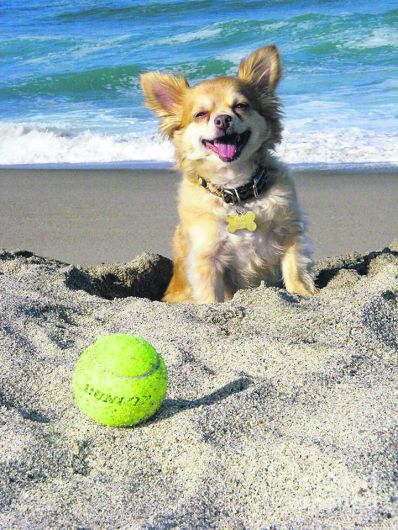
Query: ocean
<point x="69" y="75"/>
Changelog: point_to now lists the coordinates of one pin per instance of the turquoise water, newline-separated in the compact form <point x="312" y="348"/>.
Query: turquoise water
<point x="69" y="74"/>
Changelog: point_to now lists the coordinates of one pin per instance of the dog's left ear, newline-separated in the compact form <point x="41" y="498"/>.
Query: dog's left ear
<point x="262" y="69"/>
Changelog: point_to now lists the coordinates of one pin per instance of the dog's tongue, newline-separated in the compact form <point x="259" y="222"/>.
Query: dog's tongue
<point x="226" y="150"/>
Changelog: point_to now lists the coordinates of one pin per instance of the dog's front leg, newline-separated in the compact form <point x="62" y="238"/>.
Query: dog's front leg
<point x="204" y="270"/>
<point x="295" y="267"/>
<point x="206" y="281"/>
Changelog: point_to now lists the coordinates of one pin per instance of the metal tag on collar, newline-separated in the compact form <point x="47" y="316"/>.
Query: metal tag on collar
<point x="243" y="221"/>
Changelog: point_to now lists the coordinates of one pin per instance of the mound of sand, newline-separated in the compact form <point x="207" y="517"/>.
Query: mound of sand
<point x="281" y="410"/>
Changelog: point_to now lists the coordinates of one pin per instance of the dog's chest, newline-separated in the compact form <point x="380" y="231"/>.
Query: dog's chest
<point x="246" y="250"/>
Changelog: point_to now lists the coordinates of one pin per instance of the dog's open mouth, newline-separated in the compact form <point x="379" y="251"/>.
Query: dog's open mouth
<point x="228" y="147"/>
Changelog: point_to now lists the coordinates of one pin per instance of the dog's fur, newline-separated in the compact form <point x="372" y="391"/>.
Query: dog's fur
<point x="211" y="264"/>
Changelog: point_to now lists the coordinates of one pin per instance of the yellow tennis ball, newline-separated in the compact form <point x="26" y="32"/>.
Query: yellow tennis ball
<point x="120" y="380"/>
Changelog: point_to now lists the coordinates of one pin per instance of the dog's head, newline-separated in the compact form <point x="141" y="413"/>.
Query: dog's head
<point x="223" y="120"/>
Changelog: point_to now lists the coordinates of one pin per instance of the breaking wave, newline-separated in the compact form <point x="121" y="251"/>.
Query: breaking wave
<point x="29" y="145"/>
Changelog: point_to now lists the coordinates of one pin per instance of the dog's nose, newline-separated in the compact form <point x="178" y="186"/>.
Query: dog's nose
<point x="222" y="121"/>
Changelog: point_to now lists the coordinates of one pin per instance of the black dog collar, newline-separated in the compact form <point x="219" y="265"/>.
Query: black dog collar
<point x="253" y="188"/>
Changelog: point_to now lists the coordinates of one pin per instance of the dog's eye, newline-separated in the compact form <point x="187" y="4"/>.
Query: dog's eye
<point x="241" y="106"/>
<point x="201" y="114"/>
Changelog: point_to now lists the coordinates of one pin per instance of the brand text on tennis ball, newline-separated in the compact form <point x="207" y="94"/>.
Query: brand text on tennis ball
<point x="120" y="380"/>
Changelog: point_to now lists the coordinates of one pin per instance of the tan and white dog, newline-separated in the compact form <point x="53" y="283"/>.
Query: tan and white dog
<point x="240" y="222"/>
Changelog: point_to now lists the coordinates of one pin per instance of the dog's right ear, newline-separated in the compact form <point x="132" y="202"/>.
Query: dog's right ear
<point x="164" y="94"/>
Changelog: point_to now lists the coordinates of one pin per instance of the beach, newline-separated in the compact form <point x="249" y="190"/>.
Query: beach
<point x="89" y="217"/>
<point x="281" y="409"/>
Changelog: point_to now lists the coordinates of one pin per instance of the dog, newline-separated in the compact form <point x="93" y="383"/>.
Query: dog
<point x="240" y="222"/>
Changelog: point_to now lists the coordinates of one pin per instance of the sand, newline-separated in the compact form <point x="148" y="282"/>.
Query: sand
<point x="94" y="216"/>
<point x="281" y="411"/>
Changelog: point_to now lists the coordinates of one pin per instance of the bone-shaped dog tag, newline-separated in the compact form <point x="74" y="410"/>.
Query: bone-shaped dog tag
<point x="241" y="222"/>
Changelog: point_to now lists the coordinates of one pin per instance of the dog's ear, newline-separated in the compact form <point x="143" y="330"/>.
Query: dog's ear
<point x="262" y="69"/>
<point x="164" y="94"/>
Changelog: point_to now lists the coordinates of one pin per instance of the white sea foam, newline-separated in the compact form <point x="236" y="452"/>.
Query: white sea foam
<point x="27" y="145"/>
<point x="274" y="25"/>
<point x="20" y="144"/>
<point x="377" y="38"/>
<point x="347" y="146"/>
<point x="236" y="55"/>
<point x="201" y="34"/>
<point x="82" y="49"/>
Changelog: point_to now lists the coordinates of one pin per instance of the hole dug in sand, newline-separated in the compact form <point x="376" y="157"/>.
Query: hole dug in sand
<point x="347" y="270"/>
<point x="146" y="276"/>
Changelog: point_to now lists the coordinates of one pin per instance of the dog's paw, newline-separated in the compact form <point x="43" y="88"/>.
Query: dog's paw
<point x="303" y="287"/>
